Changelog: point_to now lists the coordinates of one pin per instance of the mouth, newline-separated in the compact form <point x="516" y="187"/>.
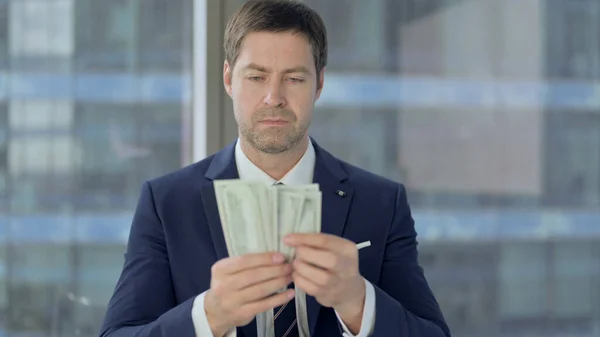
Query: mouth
<point x="274" y="122"/>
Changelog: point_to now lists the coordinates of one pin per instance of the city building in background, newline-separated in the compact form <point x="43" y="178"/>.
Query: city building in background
<point x="95" y="98"/>
<point x="488" y="111"/>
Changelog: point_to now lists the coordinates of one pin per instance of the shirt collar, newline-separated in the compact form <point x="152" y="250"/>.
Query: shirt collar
<point x="301" y="173"/>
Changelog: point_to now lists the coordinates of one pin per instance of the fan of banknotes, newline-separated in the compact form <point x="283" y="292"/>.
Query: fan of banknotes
<point x="256" y="217"/>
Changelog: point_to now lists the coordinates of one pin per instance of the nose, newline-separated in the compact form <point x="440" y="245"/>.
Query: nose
<point x="274" y="96"/>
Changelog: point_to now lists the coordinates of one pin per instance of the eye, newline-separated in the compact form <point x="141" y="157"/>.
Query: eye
<point x="255" y="78"/>
<point x="296" y="80"/>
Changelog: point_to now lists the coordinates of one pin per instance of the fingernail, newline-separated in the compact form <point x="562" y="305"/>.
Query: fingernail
<point x="288" y="239"/>
<point x="292" y="294"/>
<point x="278" y="258"/>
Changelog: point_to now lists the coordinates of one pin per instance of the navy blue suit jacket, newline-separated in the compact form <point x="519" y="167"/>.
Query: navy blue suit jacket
<point x="176" y="237"/>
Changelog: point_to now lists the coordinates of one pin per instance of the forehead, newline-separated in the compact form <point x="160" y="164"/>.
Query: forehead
<point x="276" y="50"/>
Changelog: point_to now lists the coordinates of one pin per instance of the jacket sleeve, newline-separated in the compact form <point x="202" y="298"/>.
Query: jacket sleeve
<point x="405" y="305"/>
<point x="143" y="303"/>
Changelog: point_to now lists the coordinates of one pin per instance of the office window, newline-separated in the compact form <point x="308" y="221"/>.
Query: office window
<point x="574" y="31"/>
<point x="40" y="115"/>
<point x="573" y="159"/>
<point x="162" y="41"/>
<point x="76" y="147"/>
<point x="468" y="274"/>
<point x="413" y="92"/>
<point x="111" y="154"/>
<point x="465" y="103"/>
<point x="3" y="274"/>
<point x="41" y="154"/>
<point x="41" y="35"/>
<point x="3" y="34"/>
<point x="97" y="265"/>
<point x="160" y="130"/>
<point x="3" y="182"/>
<point x="361" y="45"/>
<point x="376" y="151"/>
<point x="106" y="35"/>
<point x="571" y="295"/>
<point x="102" y="129"/>
<point x="39" y="280"/>
<point x="41" y="139"/>
<point x="120" y="35"/>
<point x="523" y="281"/>
<point x="3" y="119"/>
<point x="3" y="159"/>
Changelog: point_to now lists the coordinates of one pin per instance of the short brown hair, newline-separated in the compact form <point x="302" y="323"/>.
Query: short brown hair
<point x="276" y="16"/>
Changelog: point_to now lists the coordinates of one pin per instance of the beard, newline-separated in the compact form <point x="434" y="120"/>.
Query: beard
<point x="276" y="139"/>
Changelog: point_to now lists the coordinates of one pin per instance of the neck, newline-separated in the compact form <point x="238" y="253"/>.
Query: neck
<point x="276" y="165"/>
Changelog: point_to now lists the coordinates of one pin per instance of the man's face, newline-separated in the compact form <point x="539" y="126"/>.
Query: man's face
<point x="274" y="86"/>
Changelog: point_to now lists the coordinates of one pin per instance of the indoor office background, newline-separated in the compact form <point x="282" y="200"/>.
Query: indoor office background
<point x="487" y="110"/>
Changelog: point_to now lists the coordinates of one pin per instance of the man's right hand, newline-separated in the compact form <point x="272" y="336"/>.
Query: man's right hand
<point x="243" y="286"/>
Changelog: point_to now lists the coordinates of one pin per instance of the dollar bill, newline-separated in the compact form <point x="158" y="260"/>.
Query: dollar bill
<point x="242" y="217"/>
<point x="289" y="212"/>
<point x="256" y="217"/>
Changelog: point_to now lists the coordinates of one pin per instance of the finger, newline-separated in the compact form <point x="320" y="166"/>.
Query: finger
<point x="268" y="303"/>
<point x="321" y="258"/>
<point x="250" y="277"/>
<point x="317" y="276"/>
<point x="305" y="284"/>
<point x="236" y="264"/>
<point x="262" y="290"/>
<point x="317" y="240"/>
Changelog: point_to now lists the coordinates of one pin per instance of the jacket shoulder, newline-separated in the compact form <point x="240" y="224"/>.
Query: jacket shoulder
<point x="184" y="177"/>
<point x="361" y="178"/>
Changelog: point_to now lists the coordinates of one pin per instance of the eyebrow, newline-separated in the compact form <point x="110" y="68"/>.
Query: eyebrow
<point x="298" y="69"/>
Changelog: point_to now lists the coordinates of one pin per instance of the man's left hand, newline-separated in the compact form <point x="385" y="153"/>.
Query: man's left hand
<point x="326" y="267"/>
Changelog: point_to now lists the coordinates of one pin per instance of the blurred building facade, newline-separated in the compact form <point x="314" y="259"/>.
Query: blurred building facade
<point x="488" y="111"/>
<point x="95" y="97"/>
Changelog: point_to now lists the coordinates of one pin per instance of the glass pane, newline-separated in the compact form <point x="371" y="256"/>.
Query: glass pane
<point x="523" y="280"/>
<point x="106" y="34"/>
<point x="41" y="35"/>
<point x="160" y="37"/>
<point x="87" y="114"/>
<point x="99" y="264"/>
<point x="3" y="160"/>
<point x="3" y="273"/>
<point x="572" y="263"/>
<point x="3" y="35"/>
<point x="4" y="294"/>
<point x="488" y="112"/>
<point x="39" y="275"/>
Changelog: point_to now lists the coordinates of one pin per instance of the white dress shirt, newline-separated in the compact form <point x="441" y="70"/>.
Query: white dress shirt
<point x="302" y="173"/>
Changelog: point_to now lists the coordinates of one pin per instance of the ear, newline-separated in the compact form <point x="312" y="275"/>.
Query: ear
<point x="227" y="73"/>
<point x="320" y="83"/>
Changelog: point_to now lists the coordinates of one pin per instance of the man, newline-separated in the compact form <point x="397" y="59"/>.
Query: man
<point x="178" y="280"/>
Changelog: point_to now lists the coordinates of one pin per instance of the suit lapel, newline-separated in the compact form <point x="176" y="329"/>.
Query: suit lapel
<point x="337" y="196"/>
<point x="209" y="201"/>
<point x="221" y="167"/>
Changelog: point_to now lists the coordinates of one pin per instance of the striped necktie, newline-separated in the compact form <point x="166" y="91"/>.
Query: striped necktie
<point x="284" y="317"/>
<point x="285" y="320"/>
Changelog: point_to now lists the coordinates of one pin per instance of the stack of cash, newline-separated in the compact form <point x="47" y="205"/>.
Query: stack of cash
<point x="256" y="217"/>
